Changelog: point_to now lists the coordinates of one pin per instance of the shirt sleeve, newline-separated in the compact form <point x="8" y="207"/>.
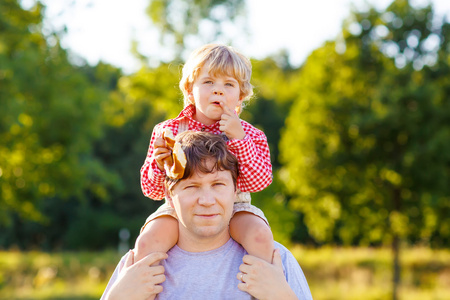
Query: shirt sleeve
<point x="253" y="154"/>
<point x="115" y="275"/>
<point x="294" y="274"/>
<point x="152" y="179"/>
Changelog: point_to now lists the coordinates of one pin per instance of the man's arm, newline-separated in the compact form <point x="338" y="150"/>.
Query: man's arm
<point x="136" y="281"/>
<point x="283" y="279"/>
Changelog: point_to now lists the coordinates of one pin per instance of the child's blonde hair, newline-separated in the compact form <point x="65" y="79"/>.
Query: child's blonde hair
<point x="223" y="61"/>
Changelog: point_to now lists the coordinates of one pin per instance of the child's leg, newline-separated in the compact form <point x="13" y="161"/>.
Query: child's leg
<point x="253" y="234"/>
<point x="159" y="235"/>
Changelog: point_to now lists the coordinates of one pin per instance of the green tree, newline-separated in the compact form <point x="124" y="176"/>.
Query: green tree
<point x="201" y="21"/>
<point x="49" y="119"/>
<point x="365" y="149"/>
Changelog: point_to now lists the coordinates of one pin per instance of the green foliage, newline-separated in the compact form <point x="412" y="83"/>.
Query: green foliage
<point x="365" y="148"/>
<point x="181" y="21"/>
<point x="275" y="91"/>
<point x="363" y="155"/>
<point x="49" y="119"/>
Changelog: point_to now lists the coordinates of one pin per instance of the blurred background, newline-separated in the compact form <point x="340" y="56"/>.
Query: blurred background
<point x="354" y="98"/>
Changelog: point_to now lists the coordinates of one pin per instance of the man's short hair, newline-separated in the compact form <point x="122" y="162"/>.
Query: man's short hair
<point x="200" y="149"/>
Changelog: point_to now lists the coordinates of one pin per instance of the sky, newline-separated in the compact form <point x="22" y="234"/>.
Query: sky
<point x="103" y="29"/>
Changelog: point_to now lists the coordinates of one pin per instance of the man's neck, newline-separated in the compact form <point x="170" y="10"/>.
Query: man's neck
<point x="202" y="244"/>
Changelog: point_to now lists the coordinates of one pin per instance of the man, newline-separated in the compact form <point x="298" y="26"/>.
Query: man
<point x="206" y="263"/>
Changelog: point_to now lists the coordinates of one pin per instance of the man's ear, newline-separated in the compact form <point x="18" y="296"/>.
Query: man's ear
<point x="168" y="196"/>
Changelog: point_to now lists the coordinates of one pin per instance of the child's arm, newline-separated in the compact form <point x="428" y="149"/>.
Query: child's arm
<point x="250" y="147"/>
<point x="253" y="154"/>
<point x="152" y="176"/>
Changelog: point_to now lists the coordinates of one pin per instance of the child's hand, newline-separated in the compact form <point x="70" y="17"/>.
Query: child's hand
<point x="161" y="152"/>
<point x="230" y="123"/>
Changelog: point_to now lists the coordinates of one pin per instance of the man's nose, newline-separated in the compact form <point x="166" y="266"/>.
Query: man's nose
<point x="206" y="198"/>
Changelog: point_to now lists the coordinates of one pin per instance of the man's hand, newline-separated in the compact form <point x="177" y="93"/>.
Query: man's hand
<point x="140" y="280"/>
<point x="161" y="152"/>
<point x="263" y="280"/>
<point x="230" y="123"/>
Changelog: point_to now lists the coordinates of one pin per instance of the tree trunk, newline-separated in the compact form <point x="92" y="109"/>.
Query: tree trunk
<point x="395" y="266"/>
<point x="396" y="249"/>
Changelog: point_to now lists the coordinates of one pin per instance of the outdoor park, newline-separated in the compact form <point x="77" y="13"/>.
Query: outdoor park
<point x="358" y="134"/>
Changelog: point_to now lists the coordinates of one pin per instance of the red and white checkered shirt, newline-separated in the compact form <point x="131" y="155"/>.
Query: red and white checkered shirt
<point x="252" y="152"/>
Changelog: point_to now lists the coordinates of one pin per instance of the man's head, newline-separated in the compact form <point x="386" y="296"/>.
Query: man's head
<point x="200" y="149"/>
<point x="203" y="199"/>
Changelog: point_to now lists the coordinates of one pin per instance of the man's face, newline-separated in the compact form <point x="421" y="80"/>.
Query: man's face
<point x="204" y="204"/>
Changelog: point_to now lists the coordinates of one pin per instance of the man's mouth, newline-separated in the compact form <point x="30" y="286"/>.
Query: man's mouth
<point x="207" y="216"/>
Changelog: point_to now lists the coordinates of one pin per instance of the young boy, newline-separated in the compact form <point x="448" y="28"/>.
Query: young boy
<point x="215" y="83"/>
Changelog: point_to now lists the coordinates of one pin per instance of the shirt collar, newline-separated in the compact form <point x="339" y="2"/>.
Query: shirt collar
<point x="189" y="112"/>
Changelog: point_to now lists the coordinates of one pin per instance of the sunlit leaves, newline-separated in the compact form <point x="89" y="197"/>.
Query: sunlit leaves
<point x="183" y="23"/>
<point x="370" y="133"/>
<point x="50" y="116"/>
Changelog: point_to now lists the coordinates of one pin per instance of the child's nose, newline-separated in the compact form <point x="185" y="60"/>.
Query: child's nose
<point x="220" y="93"/>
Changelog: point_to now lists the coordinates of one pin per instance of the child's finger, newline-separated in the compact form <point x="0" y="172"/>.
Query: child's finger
<point x="162" y="151"/>
<point x="159" y="142"/>
<point x="226" y="109"/>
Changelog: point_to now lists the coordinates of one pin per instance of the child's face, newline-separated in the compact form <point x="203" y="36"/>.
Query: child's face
<point x="208" y="92"/>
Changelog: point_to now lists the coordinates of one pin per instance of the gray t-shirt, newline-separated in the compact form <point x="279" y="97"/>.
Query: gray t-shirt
<point x="212" y="274"/>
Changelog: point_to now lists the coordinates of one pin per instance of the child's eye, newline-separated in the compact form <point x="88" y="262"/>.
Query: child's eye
<point x="230" y="84"/>
<point x="208" y="82"/>
<point x="219" y="184"/>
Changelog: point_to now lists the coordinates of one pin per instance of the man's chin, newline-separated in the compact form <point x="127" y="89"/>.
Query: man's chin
<point x="207" y="231"/>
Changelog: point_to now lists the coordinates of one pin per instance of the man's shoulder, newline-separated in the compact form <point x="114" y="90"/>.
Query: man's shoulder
<point x="283" y="249"/>
<point x="281" y="246"/>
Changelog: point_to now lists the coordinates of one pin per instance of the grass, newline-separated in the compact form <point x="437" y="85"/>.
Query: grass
<point x="366" y="273"/>
<point x="332" y="273"/>
<point x="66" y="275"/>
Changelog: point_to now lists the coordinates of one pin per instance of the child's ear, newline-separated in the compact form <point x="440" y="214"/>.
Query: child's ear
<point x="238" y="108"/>
<point x="168" y="197"/>
<point x="191" y="97"/>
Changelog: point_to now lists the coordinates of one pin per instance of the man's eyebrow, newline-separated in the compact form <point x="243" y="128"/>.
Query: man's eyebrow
<point x="221" y="176"/>
<point x="188" y="181"/>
